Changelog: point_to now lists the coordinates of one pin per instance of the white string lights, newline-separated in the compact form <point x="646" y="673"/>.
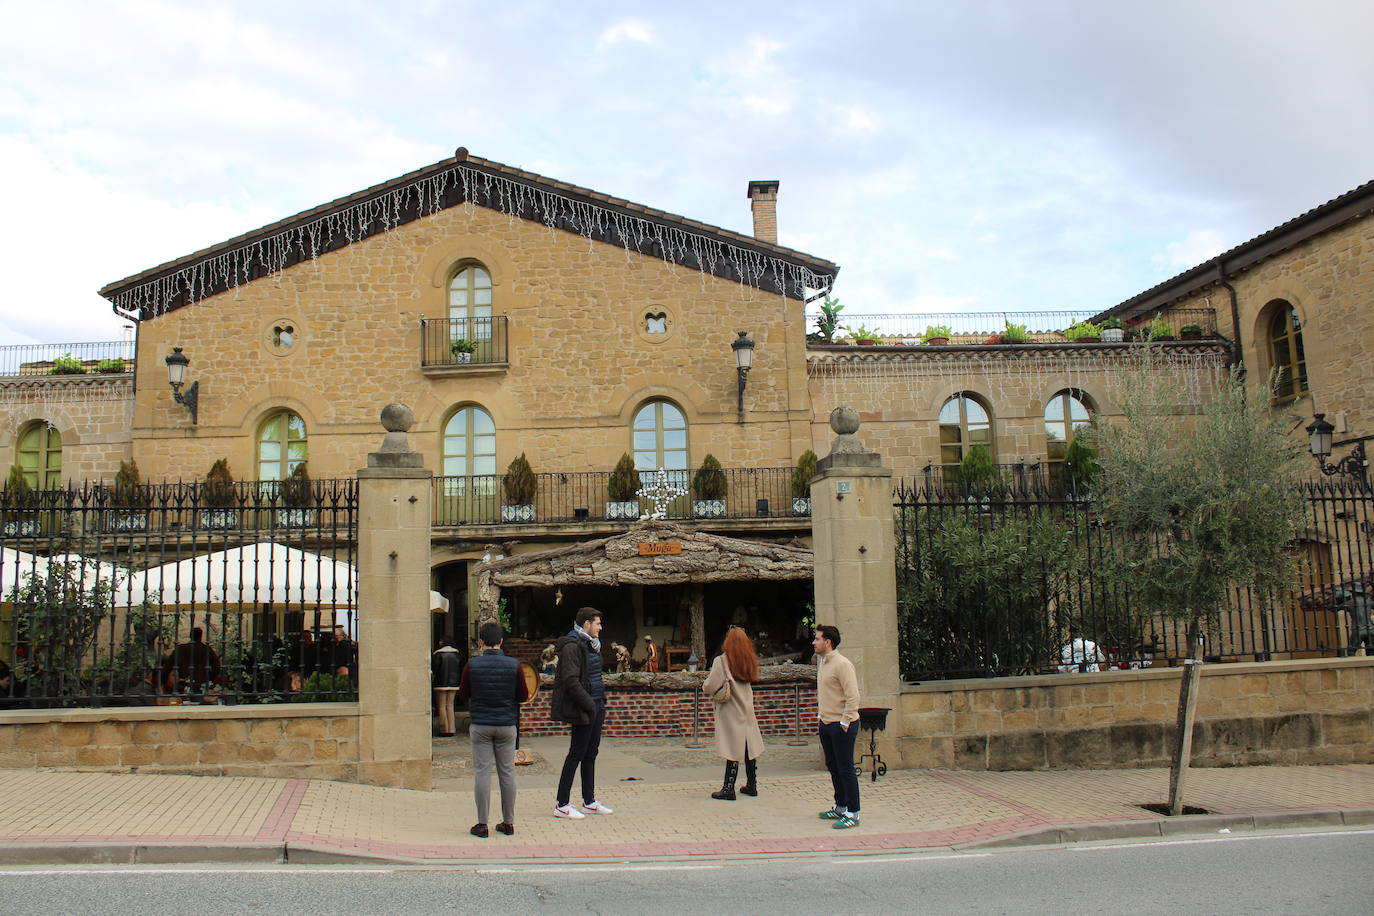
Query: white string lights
<point x="427" y="195"/>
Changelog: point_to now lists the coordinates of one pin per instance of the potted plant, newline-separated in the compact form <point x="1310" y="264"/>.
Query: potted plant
<point x="1190" y="332"/>
<point x="1159" y="329"/>
<point x="109" y="366"/>
<point x="19" y="502"/>
<point x="827" y="322"/>
<point x="1113" y="330"/>
<point x="66" y="364"/>
<point x="1014" y="333"/>
<point x="1083" y="332"/>
<point x="218" y="497"/>
<point x="519" y="484"/>
<point x="936" y="335"/>
<point x="865" y="337"/>
<point x="462" y="350"/>
<point x="976" y="472"/>
<point x="801" y="483"/>
<point x="709" y="487"/>
<point x="298" y="495"/>
<point x="622" y="489"/>
<point x="129" y="496"/>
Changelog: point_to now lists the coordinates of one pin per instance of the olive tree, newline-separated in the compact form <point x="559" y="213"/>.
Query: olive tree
<point x="1198" y="505"/>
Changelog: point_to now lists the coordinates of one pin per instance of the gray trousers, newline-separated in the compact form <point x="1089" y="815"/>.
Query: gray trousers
<point x="493" y="744"/>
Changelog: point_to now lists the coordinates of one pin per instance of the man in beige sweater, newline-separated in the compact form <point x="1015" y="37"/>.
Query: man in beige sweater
<point x="837" y="702"/>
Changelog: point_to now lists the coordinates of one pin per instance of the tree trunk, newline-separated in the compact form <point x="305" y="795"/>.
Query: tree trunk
<point x="698" y="619"/>
<point x="1187" y="713"/>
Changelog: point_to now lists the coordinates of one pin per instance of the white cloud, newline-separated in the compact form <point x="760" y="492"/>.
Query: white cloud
<point x="636" y="30"/>
<point x="1198" y="246"/>
<point x="767" y="106"/>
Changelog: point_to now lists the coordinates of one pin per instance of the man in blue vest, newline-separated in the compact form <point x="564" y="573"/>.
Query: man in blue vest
<point x="579" y="699"/>
<point x="494" y="687"/>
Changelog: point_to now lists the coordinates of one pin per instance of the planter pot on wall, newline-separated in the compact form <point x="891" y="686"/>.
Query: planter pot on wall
<point x="708" y="508"/>
<point x="127" y="522"/>
<point x="801" y="505"/>
<point x="295" y="518"/>
<point x="22" y="528"/>
<point x="462" y="357"/>
<point x="517" y="513"/>
<point x="628" y="508"/>
<point x="937" y="341"/>
<point x="1113" y="335"/>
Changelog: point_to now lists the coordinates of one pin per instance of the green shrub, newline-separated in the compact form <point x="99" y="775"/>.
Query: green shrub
<point x="18" y="490"/>
<point x="110" y="365"/>
<point x="802" y="474"/>
<point x="1014" y="333"/>
<point x="297" y="490"/>
<point x="66" y="364"/>
<point x="936" y="330"/>
<point x="623" y="484"/>
<point x="864" y="333"/>
<point x="128" y="486"/>
<point x="1112" y="322"/>
<point x="519" y="483"/>
<point x="322" y="687"/>
<point x="1159" y="329"/>
<point x="1190" y="330"/>
<point x="709" y="481"/>
<point x="828" y="321"/>
<point x="1082" y="329"/>
<point x="1080" y="465"/>
<point x="976" y="471"/>
<point x="218" y="489"/>
<point x="462" y="345"/>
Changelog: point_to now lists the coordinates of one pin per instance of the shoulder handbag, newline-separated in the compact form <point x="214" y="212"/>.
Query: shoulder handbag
<point x="722" y="692"/>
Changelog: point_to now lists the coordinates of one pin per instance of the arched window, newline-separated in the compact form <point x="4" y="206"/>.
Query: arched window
<point x="469" y="446"/>
<point x="1065" y="414"/>
<point x="281" y="445"/>
<point x="1286" y="352"/>
<point x="659" y="437"/>
<point x="965" y="422"/>
<point x="40" y="455"/>
<point x="469" y="308"/>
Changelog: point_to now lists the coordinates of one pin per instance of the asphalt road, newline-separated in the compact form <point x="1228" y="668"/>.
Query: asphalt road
<point x="1326" y="872"/>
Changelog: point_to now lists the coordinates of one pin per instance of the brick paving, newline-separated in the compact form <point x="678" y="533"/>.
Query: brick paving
<point x="660" y="794"/>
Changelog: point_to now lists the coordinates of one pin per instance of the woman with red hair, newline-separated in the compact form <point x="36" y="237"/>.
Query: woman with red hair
<point x="729" y="685"/>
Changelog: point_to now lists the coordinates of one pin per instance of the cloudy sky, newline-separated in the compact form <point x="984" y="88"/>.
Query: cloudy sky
<point x="977" y="155"/>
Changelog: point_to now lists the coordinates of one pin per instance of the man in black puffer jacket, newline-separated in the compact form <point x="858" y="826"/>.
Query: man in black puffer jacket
<point x="494" y="687"/>
<point x="579" y="699"/>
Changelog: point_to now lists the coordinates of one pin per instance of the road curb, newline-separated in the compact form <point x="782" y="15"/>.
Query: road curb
<point x="1186" y="825"/>
<point x="140" y="854"/>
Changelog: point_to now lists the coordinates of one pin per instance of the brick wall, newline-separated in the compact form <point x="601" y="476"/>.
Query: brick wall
<point x="668" y="714"/>
<point x="308" y="740"/>
<point x="1311" y="711"/>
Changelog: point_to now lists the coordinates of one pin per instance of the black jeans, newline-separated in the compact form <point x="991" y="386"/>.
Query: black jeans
<point x="838" y="745"/>
<point x="582" y="750"/>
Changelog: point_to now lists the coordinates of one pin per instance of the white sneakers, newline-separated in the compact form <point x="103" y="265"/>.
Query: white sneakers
<point x="569" y="811"/>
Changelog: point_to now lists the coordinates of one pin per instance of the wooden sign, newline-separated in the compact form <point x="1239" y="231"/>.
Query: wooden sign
<point x="659" y="548"/>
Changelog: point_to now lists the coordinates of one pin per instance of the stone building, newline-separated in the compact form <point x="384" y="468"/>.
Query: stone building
<point x="519" y="315"/>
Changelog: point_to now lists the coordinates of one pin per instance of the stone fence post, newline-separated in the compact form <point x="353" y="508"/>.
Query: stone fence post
<point x="856" y="573"/>
<point x="394" y="496"/>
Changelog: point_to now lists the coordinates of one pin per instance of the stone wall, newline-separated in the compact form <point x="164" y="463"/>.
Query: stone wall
<point x="92" y="413"/>
<point x="1311" y="711"/>
<point x="580" y="361"/>
<point x="669" y="713"/>
<point x="307" y="740"/>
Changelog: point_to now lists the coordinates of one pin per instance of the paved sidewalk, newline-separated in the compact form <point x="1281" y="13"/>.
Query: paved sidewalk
<point x="661" y="797"/>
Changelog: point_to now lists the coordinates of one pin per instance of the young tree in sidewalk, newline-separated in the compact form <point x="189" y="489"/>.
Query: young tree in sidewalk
<point x="1197" y="506"/>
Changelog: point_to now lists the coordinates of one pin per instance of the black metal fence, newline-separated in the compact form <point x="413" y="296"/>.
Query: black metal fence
<point x="178" y="593"/>
<point x="106" y="356"/>
<point x="464" y="341"/>
<point x="1010" y="582"/>
<point x="584" y="497"/>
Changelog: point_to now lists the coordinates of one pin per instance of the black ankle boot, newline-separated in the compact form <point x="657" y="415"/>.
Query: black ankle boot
<point x="727" y="791"/>
<point x="751" y="773"/>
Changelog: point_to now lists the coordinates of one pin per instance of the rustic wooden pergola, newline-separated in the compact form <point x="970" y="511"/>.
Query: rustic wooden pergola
<point x="651" y="552"/>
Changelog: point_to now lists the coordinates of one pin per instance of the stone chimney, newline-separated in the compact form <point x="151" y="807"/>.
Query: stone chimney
<point x="764" y="202"/>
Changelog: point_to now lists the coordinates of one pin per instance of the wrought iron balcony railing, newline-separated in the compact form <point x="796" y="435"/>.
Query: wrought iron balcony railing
<point x="103" y="356"/>
<point x="464" y="342"/>
<point x="583" y="497"/>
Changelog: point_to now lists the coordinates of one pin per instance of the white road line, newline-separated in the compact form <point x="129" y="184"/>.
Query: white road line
<point x="137" y="870"/>
<point x="555" y="869"/>
<point x="1229" y="838"/>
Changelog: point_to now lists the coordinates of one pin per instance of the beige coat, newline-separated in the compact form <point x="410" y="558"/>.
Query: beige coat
<point x="737" y="731"/>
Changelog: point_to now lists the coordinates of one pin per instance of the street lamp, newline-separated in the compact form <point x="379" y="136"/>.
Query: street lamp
<point x="176" y="377"/>
<point x="1319" y="434"/>
<point x="744" y="361"/>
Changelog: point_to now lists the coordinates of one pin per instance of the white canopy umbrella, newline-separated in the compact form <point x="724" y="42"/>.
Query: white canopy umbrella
<point x="255" y="574"/>
<point x="15" y="568"/>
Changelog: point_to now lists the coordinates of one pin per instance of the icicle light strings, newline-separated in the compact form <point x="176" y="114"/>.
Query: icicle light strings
<point x="426" y="196"/>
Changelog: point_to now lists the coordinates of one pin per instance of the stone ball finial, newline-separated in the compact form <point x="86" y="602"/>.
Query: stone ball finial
<point x="397" y="418"/>
<point x="844" y="421"/>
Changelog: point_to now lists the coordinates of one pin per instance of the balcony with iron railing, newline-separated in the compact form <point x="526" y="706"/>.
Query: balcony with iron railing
<point x="582" y="498"/>
<point x="105" y="357"/>
<point x="452" y="346"/>
<point x="989" y="328"/>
